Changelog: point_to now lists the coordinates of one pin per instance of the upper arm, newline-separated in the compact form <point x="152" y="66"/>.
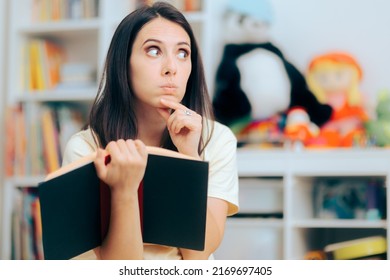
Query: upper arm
<point x="77" y="147"/>
<point x="223" y="175"/>
<point x="222" y="190"/>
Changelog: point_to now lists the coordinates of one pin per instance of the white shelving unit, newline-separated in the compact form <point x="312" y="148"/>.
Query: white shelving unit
<point x="298" y="231"/>
<point x="85" y="41"/>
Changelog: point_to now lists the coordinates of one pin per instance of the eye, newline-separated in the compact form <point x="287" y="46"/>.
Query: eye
<point x="153" y="51"/>
<point x="183" y="54"/>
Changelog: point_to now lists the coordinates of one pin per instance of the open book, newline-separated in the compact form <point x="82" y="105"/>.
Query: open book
<point x="75" y="205"/>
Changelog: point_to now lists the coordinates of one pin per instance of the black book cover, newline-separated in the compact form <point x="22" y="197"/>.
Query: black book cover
<point x="173" y="201"/>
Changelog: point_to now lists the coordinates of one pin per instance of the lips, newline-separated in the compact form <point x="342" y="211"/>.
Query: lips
<point x="169" y="86"/>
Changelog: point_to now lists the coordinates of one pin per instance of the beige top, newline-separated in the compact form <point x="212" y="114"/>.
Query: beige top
<point x="223" y="178"/>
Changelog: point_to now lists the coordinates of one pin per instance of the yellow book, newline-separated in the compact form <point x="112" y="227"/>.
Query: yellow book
<point x="50" y="141"/>
<point x="36" y="68"/>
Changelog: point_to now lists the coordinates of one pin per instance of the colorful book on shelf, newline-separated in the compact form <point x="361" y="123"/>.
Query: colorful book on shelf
<point x="41" y="64"/>
<point x="20" y="139"/>
<point x="35" y="143"/>
<point x="192" y="5"/>
<point x="10" y="145"/>
<point x="37" y="223"/>
<point x="35" y="64"/>
<point x="75" y="205"/>
<point x="51" y="152"/>
<point x="51" y="59"/>
<point x="30" y="248"/>
<point x="25" y="69"/>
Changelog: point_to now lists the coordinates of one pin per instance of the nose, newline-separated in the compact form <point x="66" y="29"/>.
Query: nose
<point x="169" y="66"/>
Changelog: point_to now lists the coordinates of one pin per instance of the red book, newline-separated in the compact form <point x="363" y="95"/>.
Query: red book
<point x="75" y="205"/>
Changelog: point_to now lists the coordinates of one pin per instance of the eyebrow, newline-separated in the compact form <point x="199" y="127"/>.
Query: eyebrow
<point x="160" y="42"/>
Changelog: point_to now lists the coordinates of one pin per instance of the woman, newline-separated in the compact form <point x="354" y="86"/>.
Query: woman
<point x="153" y="93"/>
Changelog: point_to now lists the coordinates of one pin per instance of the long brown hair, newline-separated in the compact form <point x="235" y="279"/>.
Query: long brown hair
<point x="112" y="115"/>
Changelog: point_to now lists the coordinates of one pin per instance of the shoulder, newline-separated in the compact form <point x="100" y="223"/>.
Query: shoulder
<point x="222" y="139"/>
<point x="79" y="145"/>
<point x="222" y="130"/>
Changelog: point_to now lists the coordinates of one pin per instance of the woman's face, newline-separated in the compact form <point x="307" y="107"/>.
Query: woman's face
<point x="160" y="63"/>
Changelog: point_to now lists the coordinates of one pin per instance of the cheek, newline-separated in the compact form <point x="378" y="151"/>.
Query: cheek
<point x="139" y="78"/>
<point x="186" y="71"/>
<point x="185" y="75"/>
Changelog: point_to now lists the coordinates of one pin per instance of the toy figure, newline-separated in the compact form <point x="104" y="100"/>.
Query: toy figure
<point x="334" y="79"/>
<point x="255" y="85"/>
<point x="299" y="130"/>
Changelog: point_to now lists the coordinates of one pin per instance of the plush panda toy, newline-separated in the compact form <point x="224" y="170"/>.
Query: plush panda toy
<point x="254" y="81"/>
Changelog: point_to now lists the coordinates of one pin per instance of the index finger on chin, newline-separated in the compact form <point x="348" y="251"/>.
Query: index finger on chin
<point x="172" y="104"/>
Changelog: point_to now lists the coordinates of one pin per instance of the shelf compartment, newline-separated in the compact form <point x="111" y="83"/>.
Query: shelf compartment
<point x="250" y="238"/>
<point x="331" y="198"/>
<point x="261" y="195"/>
<point x="256" y="162"/>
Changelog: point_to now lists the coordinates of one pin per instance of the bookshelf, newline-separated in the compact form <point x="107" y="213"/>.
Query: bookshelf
<point x="279" y="184"/>
<point x="81" y="30"/>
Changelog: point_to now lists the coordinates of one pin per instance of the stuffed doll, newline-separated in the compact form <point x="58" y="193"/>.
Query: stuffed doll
<point x="256" y="85"/>
<point x="334" y="78"/>
<point x="299" y="130"/>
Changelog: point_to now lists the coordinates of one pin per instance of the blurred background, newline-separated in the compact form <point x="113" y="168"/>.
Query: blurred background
<point x="288" y="77"/>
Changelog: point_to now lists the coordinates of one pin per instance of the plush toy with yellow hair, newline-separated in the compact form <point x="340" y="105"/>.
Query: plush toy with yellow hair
<point x="334" y="78"/>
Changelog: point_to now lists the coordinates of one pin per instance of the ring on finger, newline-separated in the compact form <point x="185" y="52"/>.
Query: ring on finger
<point x="187" y="112"/>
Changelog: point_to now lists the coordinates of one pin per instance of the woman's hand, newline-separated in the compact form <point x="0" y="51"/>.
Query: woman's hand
<point x="184" y="126"/>
<point x="127" y="165"/>
<point x="123" y="174"/>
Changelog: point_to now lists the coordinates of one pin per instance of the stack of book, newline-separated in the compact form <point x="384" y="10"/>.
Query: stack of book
<point x="41" y="64"/>
<point x="54" y="10"/>
<point x="77" y="76"/>
<point x="37" y="137"/>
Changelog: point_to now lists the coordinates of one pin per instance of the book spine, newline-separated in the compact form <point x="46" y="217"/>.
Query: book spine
<point x="50" y="140"/>
<point x="37" y="136"/>
<point x="26" y="225"/>
<point x="10" y="131"/>
<point x="20" y="141"/>
<point x="36" y="70"/>
<point x="41" y="63"/>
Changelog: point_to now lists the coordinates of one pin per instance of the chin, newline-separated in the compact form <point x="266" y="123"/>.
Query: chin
<point x="170" y="96"/>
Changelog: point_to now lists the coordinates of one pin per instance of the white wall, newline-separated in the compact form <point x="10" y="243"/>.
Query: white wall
<point x="303" y="29"/>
